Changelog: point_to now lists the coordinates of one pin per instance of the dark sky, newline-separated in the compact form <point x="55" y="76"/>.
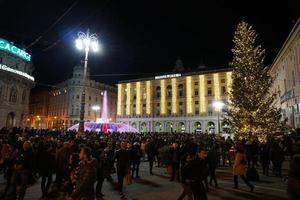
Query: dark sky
<point x="142" y="37"/>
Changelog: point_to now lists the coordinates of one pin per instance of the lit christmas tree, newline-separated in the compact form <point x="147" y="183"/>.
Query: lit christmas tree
<point x="251" y="111"/>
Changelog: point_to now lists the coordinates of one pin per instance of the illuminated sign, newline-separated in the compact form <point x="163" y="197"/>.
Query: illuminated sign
<point x="9" y="47"/>
<point x="8" y="69"/>
<point x="167" y="76"/>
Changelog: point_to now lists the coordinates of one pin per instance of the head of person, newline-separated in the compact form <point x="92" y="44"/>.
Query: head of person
<point x="202" y="152"/>
<point x="26" y="146"/>
<point x="123" y="145"/>
<point x="85" y="153"/>
<point x="175" y="145"/>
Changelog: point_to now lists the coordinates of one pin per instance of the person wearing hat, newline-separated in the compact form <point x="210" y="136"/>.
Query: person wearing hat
<point x="196" y="172"/>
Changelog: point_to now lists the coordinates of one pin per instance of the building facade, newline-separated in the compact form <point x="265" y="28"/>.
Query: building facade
<point x="174" y="102"/>
<point x="286" y="72"/>
<point x="16" y="82"/>
<point x="64" y="102"/>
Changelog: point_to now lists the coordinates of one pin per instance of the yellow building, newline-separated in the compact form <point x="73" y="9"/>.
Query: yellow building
<point x="180" y="102"/>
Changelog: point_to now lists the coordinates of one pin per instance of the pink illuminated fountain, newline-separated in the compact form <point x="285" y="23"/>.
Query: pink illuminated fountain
<point x="104" y="125"/>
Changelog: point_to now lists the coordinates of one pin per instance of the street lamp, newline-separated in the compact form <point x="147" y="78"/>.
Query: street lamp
<point x="218" y="105"/>
<point x="95" y="108"/>
<point x="86" y="42"/>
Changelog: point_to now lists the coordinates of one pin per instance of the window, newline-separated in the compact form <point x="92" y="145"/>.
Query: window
<point x="90" y="98"/>
<point x="181" y="112"/>
<point x="293" y="77"/>
<point x="223" y="90"/>
<point x="222" y="80"/>
<point x="77" y="96"/>
<point x="134" y="105"/>
<point x="197" y="112"/>
<point x="195" y="83"/>
<point x="180" y="103"/>
<point x="169" y="112"/>
<point x="13" y="95"/>
<point x="158" y="104"/>
<point x="169" y="103"/>
<point x="24" y="96"/>
<point x="169" y="94"/>
<point x="96" y="99"/>
<point x="208" y="82"/>
<point x="209" y="91"/>
<point x="197" y="102"/>
<point x="196" y="93"/>
<point x="144" y="105"/>
<point x="180" y="93"/>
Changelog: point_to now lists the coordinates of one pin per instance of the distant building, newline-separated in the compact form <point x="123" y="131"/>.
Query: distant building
<point x="176" y="102"/>
<point x="16" y="82"/>
<point x="286" y="71"/>
<point x="38" y="110"/>
<point x="64" y="102"/>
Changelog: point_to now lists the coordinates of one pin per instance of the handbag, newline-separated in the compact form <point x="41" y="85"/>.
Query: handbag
<point x="129" y="180"/>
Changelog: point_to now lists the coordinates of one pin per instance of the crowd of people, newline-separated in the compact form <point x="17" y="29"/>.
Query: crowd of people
<point x="81" y="163"/>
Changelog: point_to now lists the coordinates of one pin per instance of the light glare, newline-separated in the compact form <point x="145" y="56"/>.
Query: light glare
<point x="79" y="44"/>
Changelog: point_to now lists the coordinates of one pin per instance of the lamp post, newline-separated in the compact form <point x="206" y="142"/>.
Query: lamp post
<point x="218" y="105"/>
<point x="86" y="42"/>
<point x="95" y="108"/>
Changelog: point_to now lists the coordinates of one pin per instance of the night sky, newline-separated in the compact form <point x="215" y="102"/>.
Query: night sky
<point x="139" y="37"/>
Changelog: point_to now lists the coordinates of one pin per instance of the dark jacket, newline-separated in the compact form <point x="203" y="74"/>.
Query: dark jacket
<point x="123" y="160"/>
<point x="87" y="174"/>
<point x="196" y="170"/>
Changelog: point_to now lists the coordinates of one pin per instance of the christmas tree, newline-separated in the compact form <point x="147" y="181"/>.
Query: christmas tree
<point x="251" y="111"/>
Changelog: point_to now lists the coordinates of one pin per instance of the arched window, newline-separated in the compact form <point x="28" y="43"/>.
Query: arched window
<point x="169" y="91"/>
<point x="24" y="96"/>
<point x="13" y="95"/>
<point x="157" y="92"/>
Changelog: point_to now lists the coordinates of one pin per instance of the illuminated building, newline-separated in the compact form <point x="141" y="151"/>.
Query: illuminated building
<point x="16" y="81"/>
<point x="286" y="72"/>
<point x="175" y="102"/>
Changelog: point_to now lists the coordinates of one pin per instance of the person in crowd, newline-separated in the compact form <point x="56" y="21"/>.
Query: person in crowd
<point x="8" y="156"/>
<point x="136" y="154"/>
<point x="122" y="157"/>
<point x="212" y="158"/>
<point x="293" y="183"/>
<point x="22" y="170"/>
<point x="72" y="170"/>
<point x="277" y="158"/>
<point x="151" y="151"/>
<point x="84" y="188"/>
<point x="239" y="167"/>
<point x="265" y="158"/>
<point x="100" y="172"/>
<point x="45" y="166"/>
<point x="175" y="161"/>
<point x="62" y="158"/>
<point x="187" y="191"/>
<point x="195" y="172"/>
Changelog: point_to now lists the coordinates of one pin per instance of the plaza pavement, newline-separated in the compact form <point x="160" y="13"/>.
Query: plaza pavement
<point x="158" y="187"/>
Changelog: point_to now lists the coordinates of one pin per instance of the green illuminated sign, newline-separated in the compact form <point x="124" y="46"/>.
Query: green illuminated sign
<point x="9" y="47"/>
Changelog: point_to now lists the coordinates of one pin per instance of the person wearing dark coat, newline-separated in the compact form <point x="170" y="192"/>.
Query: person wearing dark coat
<point x="265" y="158"/>
<point x="62" y="164"/>
<point x="175" y="160"/>
<point x="196" y="172"/>
<point x="136" y="154"/>
<point x="277" y="158"/>
<point x="123" y="163"/>
<point x="212" y="159"/>
<point x="293" y="183"/>
<point x="45" y="166"/>
<point x="151" y="152"/>
<point x="100" y="172"/>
